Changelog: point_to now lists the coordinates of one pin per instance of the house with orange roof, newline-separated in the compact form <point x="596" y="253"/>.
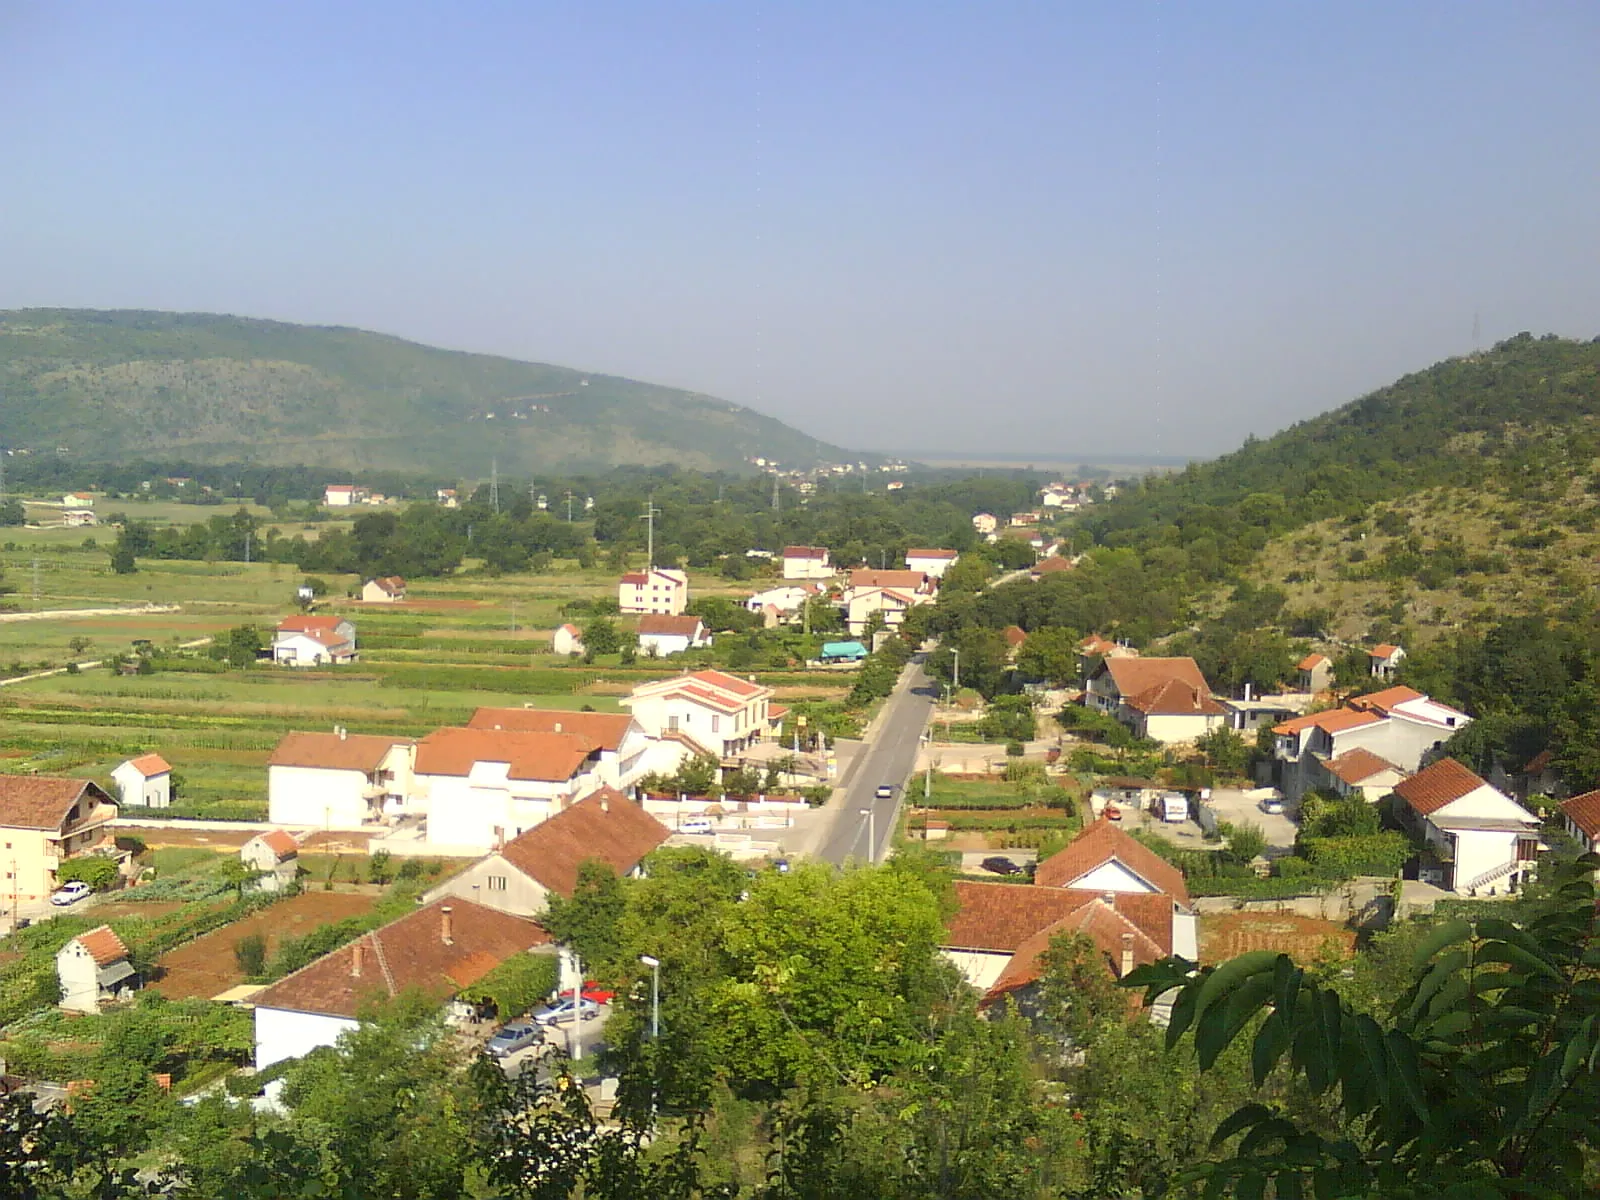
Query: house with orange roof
<point x="654" y="590"/>
<point x="343" y="495"/>
<point x="521" y="876"/>
<point x="1581" y="816"/>
<point x="482" y="787"/>
<point x="436" y="952"/>
<point x="703" y="712"/>
<point x="1050" y="564"/>
<point x="660" y="636"/>
<point x="45" y="820"/>
<point x="1385" y="660"/>
<point x="310" y="640"/>
<point x="1399" y="724"/>
<point x="1476" y="839"/>
<point x="932" y="563"/>
<point x="806" y="562"/>
<point x="144" y="782"/>
<point x="338" y="780"/>
<point x="566" y="640"/>
<point x="622" y="742"/>
<point x="93" y="967"/>
<point x="1360" y="772"/>
<point x="275" y="857"/>
<point x="1315" y="672"/>
<point x="386" y="589"/>
<point x="889" y="593"/>
<point x="1164" y="699"/>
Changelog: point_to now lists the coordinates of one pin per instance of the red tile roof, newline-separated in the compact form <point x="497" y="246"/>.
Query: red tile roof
<point x="636" y="578"/>
<point x="1387" y="699"/>
<point x="1095" y="644"/>
<point x="1354" y="766"/>
<point x="103" y="945"/>
<point x="950" y="554"/>
<point x="1333" y="720"/>
<point x="1001" y="916"/>
<point x="280" y="843"/>
<point x="1101" y="843"/>
<point x="606" y="729"/>
<point x="150" y="765"/>
<point x="411" y="952"/>
<point x="1384" y="651"/>
<point x="607" y="826"/>
<point x="43" y="801"/>
<point x="912" y="580"/>
<point x="548" y="757"/>
<point x="1105" y="925"/>
<point x="1174" y="698"/>
<point x="728" y="683"/>
<point x="308" y="623"/>
<point x="1014" y="635"/>
<point x="1312" y="661"/>
<point x="1135" y="676"/>
<point x="661" y="625"/>
<point x="1437" y="785"/>
<point x="1050" y="564"/>
<point x="332" y="751"/>
<point x="1584" y="812"/>
<point x="392" y="584"/>
<point x="817" y="552"/>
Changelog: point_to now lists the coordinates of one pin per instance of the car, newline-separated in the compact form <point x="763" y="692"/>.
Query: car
<point x="695" y="825"/>
<point x="1272" y="805"/>
<point x="1112" y="813"/>
<point x="885" y="791"/>
<point x="513" y="1036"/>
<point x="560" y="1012"/>
<point x="70" y="893"/>
<point x="600" y="995"/>
<point x="781" y="866"/>
<point x="1000" y="865"/>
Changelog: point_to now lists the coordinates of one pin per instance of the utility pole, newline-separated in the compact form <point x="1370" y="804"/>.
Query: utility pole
<point x="494" y="483"/>
<point x="651" y="512"/>
<point x="776" y="503"/>
<point x="957" y="675"/>
<point x="513" y="616"/>
<point x="569" y="506"/>
<point x="247" y="545"/>
<point x="36" y="580"/>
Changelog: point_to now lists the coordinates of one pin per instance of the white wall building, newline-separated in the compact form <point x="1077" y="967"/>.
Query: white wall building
<point x="566" y="640"/>
<point x="660" y="636"/>
<point x="621" y="741"/>
<point x="933" y="563"/>
<point x="276" y="856"/>
<point x="144" y="782"/>
<point x="1478" y="840"/>
<point x="713" y="712"/>
<point x="338" y="780"/>
<point x="93" y="967"/>
<point x="343" y="495"/>
<point x="806" y="562"/>
<point x="314" y="641"/>
<point x="657" y="590"/>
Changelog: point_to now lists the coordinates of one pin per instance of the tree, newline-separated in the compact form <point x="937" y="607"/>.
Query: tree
<point x="240" y="645"/>
<point x="589" y="921"/>
<point x="122" y="558"/>
<point x="1224" y="749"/>
<point x="250" y="953"/>
<point x="600" y="636"/>
<point x="1076" y="992"/>
<point x="1050" y="654"/>
<point x="1480" y="1080"/>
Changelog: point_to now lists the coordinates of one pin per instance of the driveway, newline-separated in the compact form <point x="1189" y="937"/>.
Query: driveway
<point x="1233" y="806"/>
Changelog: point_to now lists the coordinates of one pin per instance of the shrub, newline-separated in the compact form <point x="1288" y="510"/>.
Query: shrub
<point x="1346" y="857"/>
<point x="98" y="871"/>
<point x="250" y="953"/>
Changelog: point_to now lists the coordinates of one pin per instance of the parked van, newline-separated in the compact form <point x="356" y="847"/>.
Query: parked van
<point x="1174" y="807"/>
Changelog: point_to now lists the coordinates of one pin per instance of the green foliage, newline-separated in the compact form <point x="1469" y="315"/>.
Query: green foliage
<point x="1009" y="719"/>
<point x="1509" y="1007"/>
<point x="1246" y="841"/>
<point x="250" y="953"/>
<point x="1224" y="749"/>
<point x="1051" y="655"/>
<point x="600" y="635"/>
<point x="589" y="921"/>
<point x="1347" y="857"/>
<point x="98" y="871"/>
<point x="517" y="984"/>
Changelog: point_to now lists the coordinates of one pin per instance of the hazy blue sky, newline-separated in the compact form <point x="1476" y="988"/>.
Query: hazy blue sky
<point x="1037" y="227"/>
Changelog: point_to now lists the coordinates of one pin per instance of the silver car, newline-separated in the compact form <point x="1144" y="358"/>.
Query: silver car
<point x="514" y="1036"/>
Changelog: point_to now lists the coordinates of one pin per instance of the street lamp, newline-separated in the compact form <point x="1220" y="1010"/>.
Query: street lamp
<point x="655" y="994"/>
<point x="867" y="813"/>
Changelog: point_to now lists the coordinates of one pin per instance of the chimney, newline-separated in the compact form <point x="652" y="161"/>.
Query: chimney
<point x="342" y="732"/>
<point x="355" y="959"/>
<point x="447" y="930"/>
<point x="1127" y="956"/>
<point x="558" y="727"/>
<point x="605" y="803"/>
<point x="1110" y="898"/>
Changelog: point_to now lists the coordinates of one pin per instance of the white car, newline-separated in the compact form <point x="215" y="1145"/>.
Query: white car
<point x="1272" y="805"/>
<point x="70" y="893"/>
<point x="696" y="825"/>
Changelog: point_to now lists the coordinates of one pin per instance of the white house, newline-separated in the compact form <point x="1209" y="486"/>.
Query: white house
<point x="1361" y="772"/>
<point x="657" y="590"/>
<point x="78" y="500"/>
<point x="275" y="855"/>
<point x="806" y="562"/>
<point x="76" y="518"/>
<point x="482" y="787"/>
<point x="710" y="712"/>
<point x="932" y="563"/>
<point x="1164" y="699"/>
<point x="1105" y="859"/>
<point x="338" y="780"/>
<point x="1398" y="724"/>
<point x="1477" y="840"/>
<point x="567" y="639"/>
<point x="891" y="593"/>
<point x="787" y="599"/>
<point x="343" y="495"/>
<point x="437" y="951"/>
<point x="622" y="743"/>
<point x="1581" y="816"/>
<point x="521" y="876"/>
<point x="985" y="523"/>
<point x="1385" y="660"/>
<point x="447" y="497"/>
<point x="388" y="589"/>
<point x="145" y="782"/>
<point x="93" y="967"/>
<point x="312" y="641"/>
<point x="660" y="636"/>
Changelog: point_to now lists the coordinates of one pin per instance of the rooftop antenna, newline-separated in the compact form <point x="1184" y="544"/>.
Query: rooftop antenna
<point x="651" y="512"/>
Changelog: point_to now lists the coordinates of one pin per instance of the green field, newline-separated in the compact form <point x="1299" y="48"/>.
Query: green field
<point x="469" y="640"/>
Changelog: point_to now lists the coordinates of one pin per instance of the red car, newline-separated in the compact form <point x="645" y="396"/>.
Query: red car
<point x="593" y="991"/>
<point x="1112" y="813"/>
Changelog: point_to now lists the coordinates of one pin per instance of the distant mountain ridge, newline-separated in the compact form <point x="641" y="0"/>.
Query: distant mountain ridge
<point x="108" y="385"/>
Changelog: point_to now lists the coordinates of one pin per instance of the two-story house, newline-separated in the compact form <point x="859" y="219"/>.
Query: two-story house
<point x="1399" y="724"/>
<point x="1478" y="841"/>
<point x="709" y="712"/>
<point x="44" y="821"/>
<point x="1581" y="816"/>
<point x="806" y="562"/>
<point x="482" y="787"/>
<point x="144" y="782"/>
<point x="94" y="967"/>
<point x="275" y="858"/>
<point x="621" y="740"/>
<point x="338" y="780"/>
<point x="314" y="641"/>
<point x="890" y="594"/>
<point x="932" y="563"/>
<point x="1385" y="660"/>
<point x="1314" y="673"/>
<point x="1164" y="699"/>
<point x="657" y="590"/>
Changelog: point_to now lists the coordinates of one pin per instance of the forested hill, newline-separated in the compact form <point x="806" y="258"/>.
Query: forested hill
<point x="206" y="388"/>
<point x="1520" y="416"/>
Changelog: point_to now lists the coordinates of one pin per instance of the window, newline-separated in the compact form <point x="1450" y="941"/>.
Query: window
<point x="497" y="883"/>
<point x="716" y="724"/>
<point x="672" y="724"/>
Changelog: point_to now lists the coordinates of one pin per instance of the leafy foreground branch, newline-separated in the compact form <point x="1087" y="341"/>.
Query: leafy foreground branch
<point x="1480" y="1083"/>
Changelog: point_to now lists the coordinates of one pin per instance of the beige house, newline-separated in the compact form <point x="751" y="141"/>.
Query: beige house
<point x="390" y="589"/>
<point x="93" y="967"/>
<point x="656" y="590"/>
<point x="44" y="821"/>
<point x="891" y="593"/>
<point x="520" y="877"/>
<point x="1315" y="673"/>
<point x="708" y="712"/>
<point x="276" y="856"/>
<point x="1164" y="699"/>
<point x="1361" y="772"/>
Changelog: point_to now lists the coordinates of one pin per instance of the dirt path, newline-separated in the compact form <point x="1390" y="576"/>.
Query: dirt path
<point x="73" y="614"/>
<point x="89" y="664"/>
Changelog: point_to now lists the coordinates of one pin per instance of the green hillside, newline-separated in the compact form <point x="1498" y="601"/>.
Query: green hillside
<point x="201" y="387"/>
<point x="1460" y="491"/>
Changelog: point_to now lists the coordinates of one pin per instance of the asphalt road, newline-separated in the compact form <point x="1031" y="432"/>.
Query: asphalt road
<point x="889" y="758"/>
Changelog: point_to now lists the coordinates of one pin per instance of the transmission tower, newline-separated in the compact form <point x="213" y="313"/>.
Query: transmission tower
<point x="651" y="512"/>
<point x="494" y="483"/>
